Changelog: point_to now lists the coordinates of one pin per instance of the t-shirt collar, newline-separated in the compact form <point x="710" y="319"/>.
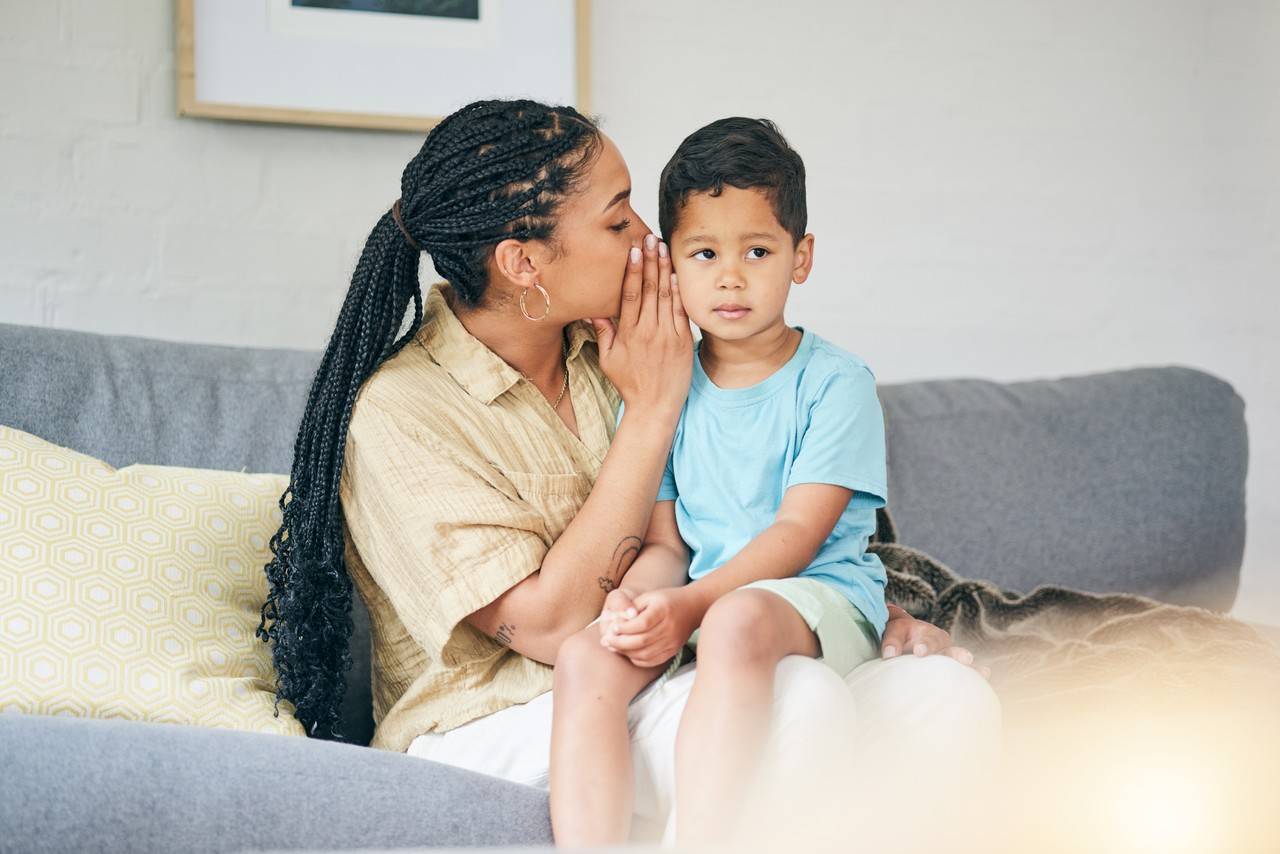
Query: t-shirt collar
<point x="478" y="369"/>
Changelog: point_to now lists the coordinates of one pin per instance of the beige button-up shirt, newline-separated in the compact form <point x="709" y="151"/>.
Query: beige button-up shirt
<point x="458" y="477"/>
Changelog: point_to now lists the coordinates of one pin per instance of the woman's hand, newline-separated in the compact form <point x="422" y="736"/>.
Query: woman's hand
<point x="648" y="355"/>
<point x="665" y="620"/>
<point x="904" y="632"/>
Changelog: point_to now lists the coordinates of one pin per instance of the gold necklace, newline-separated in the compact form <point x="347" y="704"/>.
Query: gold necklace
<point x="563" y="389"/>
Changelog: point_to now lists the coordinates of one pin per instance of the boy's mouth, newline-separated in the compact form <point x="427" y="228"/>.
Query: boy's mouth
<point x="731" y="310"/>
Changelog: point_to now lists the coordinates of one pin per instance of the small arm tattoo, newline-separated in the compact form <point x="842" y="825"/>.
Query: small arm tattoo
<point x="623" y="556"/>
<point x="505" y="631"/>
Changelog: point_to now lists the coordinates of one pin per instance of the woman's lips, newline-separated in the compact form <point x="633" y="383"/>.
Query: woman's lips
<point x="732" y="314"/>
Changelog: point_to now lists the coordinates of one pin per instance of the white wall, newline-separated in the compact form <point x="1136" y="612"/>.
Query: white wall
<point x="1010" y="190"/>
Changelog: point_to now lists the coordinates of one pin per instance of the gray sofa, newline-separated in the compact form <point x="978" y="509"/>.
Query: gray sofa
<point x="1130" y="481"/>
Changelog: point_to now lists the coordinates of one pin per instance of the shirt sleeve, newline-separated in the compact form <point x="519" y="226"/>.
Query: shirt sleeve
<point x="844" y="440"/>
<point x="439" y="539"/>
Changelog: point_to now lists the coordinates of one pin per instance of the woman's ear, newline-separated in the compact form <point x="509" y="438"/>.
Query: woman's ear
<point x="513" y="259"/>
<point x="804" y="259"/>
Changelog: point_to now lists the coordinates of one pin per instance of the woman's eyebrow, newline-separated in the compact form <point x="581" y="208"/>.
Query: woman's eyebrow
<point x="624" y="194"/>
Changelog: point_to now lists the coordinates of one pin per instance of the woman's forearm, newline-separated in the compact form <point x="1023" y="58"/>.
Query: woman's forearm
<point x="598" y="547"/>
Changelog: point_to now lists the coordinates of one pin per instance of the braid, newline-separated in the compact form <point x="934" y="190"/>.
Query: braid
<point x="490" y="171"/>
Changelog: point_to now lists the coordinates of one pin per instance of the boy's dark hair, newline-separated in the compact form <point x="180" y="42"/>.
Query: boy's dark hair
<point x="743" y="153"/>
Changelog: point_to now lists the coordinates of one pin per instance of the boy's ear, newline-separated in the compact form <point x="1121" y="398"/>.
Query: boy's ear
<point x="517" y="262"/>
<point x="804" y="259"/>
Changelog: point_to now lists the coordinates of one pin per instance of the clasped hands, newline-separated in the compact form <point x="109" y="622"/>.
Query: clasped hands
<point x="648" y="628"/>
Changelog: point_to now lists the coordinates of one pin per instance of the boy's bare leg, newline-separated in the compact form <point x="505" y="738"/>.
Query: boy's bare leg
<point x="725" y="724"/>
<point x="591" y="778"/>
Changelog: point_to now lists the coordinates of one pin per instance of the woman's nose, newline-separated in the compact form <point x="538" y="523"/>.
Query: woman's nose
<point x="639" y="228"/>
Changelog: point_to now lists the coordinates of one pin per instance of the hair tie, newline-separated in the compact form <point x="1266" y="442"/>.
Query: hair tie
<point x="395" y="214"/>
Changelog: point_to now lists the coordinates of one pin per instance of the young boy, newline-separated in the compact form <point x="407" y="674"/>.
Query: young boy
<point x="769" y="494"/>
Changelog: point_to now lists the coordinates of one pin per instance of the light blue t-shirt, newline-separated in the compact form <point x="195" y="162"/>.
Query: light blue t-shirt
<point x="816" y="419"/>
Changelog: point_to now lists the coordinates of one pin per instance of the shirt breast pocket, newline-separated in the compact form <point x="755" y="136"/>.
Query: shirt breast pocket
<point x="558" y="496"/>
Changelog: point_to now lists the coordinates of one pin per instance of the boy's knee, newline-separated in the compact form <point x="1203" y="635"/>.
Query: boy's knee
<point x="735" y="631"/>
<point x="582" y="661"/>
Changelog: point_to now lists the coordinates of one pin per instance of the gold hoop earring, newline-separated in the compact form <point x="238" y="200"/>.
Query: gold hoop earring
<point x="545" y="296"/>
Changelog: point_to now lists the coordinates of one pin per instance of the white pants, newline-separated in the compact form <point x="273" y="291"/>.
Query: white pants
<point x="928" y="712"/>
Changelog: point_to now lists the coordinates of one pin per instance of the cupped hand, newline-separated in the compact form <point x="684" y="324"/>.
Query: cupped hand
<point x="648" y="353"/>
<point x="904" y="633"/>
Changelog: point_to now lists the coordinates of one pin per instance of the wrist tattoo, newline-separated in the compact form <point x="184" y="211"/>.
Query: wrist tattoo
<point x="505" y="631"/>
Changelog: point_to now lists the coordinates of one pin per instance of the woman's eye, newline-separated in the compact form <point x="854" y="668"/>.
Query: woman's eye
<point x="702" y="252"/>
<point x="763" y="252"/>
<point x="621" y="226"/>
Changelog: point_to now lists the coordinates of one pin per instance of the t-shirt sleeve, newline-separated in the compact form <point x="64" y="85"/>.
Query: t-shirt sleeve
<point x="439" y="540"/>
<point x="844" y="440"/>
<point x="667" y="489"/>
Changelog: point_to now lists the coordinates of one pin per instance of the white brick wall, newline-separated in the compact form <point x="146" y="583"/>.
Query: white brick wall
<point x="998" y="189"/>
<point x="118" y="216"/>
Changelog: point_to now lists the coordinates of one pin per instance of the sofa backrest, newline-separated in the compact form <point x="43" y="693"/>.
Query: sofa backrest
<point x="1126" y="480"/>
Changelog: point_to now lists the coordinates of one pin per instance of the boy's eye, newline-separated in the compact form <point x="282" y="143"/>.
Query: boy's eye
<point x="621" y="226"/>
<point x="702" y="252"/>
<point x="763" y="252"/>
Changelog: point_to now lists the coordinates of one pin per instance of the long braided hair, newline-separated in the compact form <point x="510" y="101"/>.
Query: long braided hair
<point x="492" y="170"/>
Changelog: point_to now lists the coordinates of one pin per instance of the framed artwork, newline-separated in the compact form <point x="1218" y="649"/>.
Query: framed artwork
<point x="381" y="64"/>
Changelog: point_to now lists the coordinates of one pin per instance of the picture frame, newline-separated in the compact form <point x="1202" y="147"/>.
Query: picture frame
<point x="371" y="65"/>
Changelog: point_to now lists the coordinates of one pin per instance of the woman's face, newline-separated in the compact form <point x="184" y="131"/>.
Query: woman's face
<point x="594" y="233"/>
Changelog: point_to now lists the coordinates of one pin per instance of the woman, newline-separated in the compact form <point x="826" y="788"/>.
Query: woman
<point x="467" y="474"/>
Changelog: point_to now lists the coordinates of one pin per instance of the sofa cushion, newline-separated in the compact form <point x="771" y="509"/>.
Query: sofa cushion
<point x="134" y="593"/>
<point x="1130" y="481"/>
<point x="74" y="784"/>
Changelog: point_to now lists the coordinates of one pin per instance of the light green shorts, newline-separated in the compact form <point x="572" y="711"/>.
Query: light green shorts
<point x="846" y="637"/>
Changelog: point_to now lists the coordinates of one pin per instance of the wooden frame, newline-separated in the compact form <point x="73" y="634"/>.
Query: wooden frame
<point x="188" y="105"/>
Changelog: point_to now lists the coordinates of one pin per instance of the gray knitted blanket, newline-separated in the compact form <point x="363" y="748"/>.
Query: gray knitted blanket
<point x="1056" y="646"/>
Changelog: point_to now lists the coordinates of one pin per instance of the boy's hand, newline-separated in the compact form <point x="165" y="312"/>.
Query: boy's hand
<point x="665" y="620"/>
<point x="619" y="605"/>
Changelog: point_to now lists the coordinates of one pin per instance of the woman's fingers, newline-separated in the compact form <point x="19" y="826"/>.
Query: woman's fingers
<point x="662" y="310"/>
<point x="895" y="638"/>
<point x="912" y="637"/>
<point x="679" y="317"/>
<point x="649" y="283"/>
<point x="929" y="642"/>
<point x="632" y="288"/>
<point x="604" y="332"/>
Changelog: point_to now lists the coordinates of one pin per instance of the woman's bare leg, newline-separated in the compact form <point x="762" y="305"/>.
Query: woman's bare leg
<point x="725" y="723"/>
<point x="591" y="777"/>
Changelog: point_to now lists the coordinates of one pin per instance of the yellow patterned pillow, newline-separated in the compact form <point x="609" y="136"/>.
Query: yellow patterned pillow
<point x="134" y="593"/>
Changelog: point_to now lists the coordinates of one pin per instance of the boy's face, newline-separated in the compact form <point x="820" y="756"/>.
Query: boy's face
<point x="730" y="250"/>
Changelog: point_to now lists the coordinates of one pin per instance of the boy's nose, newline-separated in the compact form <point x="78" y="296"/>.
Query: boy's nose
<point x="731" y="277"/>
